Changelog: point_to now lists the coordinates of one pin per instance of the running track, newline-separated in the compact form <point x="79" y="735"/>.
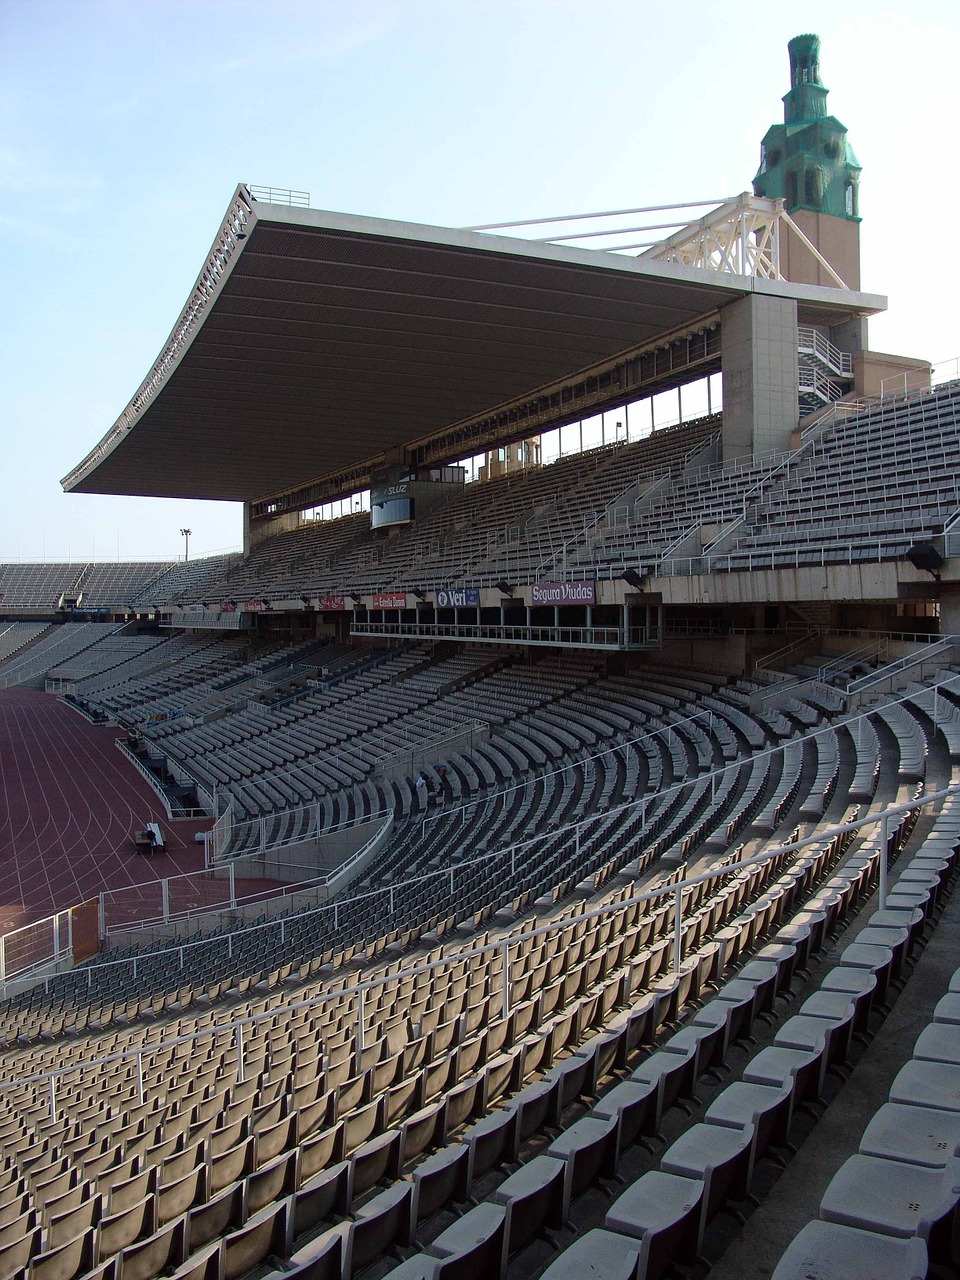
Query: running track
<point x="70" y="803"/>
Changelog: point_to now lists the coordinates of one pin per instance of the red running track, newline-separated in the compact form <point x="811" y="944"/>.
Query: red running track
<point x="70" y="804"/>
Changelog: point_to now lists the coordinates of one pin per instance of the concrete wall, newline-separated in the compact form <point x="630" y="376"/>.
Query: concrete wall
<point x="760" y="375"/>
<point x="838" y="239"/>
<point x="307" y="858"/>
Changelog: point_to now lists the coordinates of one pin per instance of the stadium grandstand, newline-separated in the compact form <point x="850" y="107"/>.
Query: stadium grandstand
<point x="533" y="854"/>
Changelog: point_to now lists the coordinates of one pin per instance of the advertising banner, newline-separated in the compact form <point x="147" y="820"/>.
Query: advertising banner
<point x="458" y="598"/>
<point x="390" y="600"/>
<point x="331" y="604"/>
<point x="564" y="593"/>
<point x="253" y="606"/>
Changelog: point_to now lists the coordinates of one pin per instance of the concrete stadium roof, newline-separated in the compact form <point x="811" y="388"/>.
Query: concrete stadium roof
<point x="314" y="341"/>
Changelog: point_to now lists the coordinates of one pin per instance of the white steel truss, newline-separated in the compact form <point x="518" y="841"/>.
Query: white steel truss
<point x="741" y="236"/>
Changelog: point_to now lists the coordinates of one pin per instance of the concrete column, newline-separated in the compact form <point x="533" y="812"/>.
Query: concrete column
<point x="760" y="375"/>
<point x="950" y="609"/>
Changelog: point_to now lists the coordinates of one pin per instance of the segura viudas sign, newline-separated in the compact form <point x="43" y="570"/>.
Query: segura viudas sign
<point x="564" y="593"/>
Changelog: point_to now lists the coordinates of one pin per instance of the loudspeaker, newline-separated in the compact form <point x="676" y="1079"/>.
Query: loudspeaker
<point x="633" y="578"/>
<point x="504" y="588"/>
<point x="925" y="556"/>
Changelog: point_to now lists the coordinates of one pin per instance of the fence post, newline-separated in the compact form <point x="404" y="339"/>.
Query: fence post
<point x="883" y="862"/>
<point x="505" y="995"/>
<point x="233" y="884"/>
<point x="53" y="1099"/>
<point x="101" y="917"/>
<point x="239" y="1040"/>
<point x="140" y="1096"/>
<point x="3" y="958"/>
<point x="165" y="897"/>
<point x="360" y="1042"/>
<point x="677" y="930"/>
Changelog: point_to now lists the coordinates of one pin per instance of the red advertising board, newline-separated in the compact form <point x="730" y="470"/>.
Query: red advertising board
<point x="253" y="606"/>
<point x="390" y="600"/>
<point x="331" y="604"/>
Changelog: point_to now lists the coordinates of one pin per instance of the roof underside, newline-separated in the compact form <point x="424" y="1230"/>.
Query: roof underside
<point x="331" y="340"/>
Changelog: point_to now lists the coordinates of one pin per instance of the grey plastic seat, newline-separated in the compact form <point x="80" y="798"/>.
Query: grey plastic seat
<point x="602" y="1255"/>
<point x="534" y="1197"/>
<point x="927" y="1084"/>
<point x="634" y="1104"/>
<point x="589" y="1150"/>
<point x="474" y="1247"/>
<point x="766" y="1107"/>
<point x="722" y="1157"/>
<point x="663" y="1212"/>
<point x="917" y="1135"/>
<point x="938" y="1042"/>
<point x="896" y="1199"/>
<point x="800" y="1069"/>
<point x="829" y="1251"/>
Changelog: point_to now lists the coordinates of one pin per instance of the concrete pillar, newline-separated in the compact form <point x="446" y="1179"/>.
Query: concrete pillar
<point x="760" y="375"/>
<point x="950" y="609"/>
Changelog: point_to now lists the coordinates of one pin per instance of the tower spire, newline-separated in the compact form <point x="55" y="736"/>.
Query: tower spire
<point x="807" y="161"/>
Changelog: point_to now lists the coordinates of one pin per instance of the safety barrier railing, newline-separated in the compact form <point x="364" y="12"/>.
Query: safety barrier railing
<point x="508" y="855"/>
<point x="503" y="948"/>
<point x="223" y="894"/>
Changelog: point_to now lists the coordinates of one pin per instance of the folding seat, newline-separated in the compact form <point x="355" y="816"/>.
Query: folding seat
<point x="721" y="1156"/>
<point x="474" y="1247"/>
<point x="383" y="1223"/>
<point x="148" y="1258"/>
<point x="378" y="1159"/>
<point x="324" y="1197"/>
<point x="673" y="1074"/>
<point x="73" y="1258"/>
<point x="831" y="1030"/>
<point x="263" y="1235"/>
<point x="119" y="1230"/>
<point x="590" y="1150"/>
<point x="767" y="1109"/>
<point x="216" y="1217"/>
<point x="834" y="1252"/>
<point x="663" y="1212"/>
<point x="896" y="1199"/>
<point x="234" y="1164"/>
<point x="17" y="1251"/>
<point x="492" y="1141"/>
<point x="801" y="1070"/>
<point x="175" y="1198"/>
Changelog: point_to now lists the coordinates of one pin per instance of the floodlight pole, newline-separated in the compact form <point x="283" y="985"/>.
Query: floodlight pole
<point x="186" y="538"/>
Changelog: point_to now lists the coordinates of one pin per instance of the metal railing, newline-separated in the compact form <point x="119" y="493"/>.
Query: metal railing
<point x="488" y="633"/>
<point x="224" y="881"/>
<point x="279" y="195"/>
<point x="508" y="854"/>
<point x="812" y="342"/>
<point x="502" y="948"/>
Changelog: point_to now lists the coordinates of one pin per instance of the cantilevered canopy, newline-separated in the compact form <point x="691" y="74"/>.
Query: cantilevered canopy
<point x="316" y="341"/>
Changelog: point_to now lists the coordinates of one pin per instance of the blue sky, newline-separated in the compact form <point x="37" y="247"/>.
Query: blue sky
<point x="126" y="124"/>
